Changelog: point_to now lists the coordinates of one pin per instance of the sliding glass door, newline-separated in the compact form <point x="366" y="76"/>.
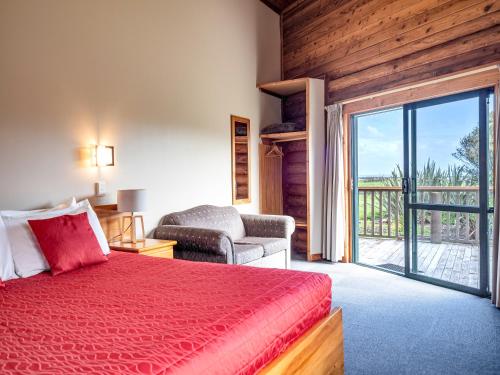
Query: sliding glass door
<point x="446" y="190"/>
<point x="377" y="171"/>
<point x="426" y="214"/>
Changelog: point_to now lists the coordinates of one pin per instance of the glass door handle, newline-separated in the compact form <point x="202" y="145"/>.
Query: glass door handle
<point x="405" y="185"/>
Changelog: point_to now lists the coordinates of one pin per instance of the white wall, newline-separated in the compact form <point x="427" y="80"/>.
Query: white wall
<point x="156" y="79"/>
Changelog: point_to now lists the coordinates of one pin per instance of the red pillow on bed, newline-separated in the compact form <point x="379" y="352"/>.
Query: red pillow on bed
<point x="68" y="242"/>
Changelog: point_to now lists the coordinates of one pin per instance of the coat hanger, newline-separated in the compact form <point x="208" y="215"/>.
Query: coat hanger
<point x="275" y="151"/>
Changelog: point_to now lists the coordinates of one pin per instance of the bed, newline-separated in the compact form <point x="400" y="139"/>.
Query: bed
<point x="137" y="314"/>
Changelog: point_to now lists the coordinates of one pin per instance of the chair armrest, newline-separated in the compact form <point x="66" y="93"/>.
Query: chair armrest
<point x="209" y="241"/>
<point x="277" y="226"/>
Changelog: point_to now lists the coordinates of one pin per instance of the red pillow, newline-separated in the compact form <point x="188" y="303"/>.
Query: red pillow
<point x="68" y="242"/>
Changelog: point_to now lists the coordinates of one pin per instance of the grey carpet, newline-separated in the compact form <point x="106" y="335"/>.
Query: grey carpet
<point x="394" y="325"/>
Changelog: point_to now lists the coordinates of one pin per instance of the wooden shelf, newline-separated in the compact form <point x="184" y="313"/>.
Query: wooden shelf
<point x="284" y="88"/>
<point x="300" y="223"/>
<point x="241" y="139"/>
<point x="285" y="137"/>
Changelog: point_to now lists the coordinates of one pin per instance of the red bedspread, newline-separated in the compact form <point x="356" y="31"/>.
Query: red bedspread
<point x="137" y="314"/>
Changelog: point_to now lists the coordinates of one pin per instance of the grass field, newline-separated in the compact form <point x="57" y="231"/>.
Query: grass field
<point x="371" y="183"/>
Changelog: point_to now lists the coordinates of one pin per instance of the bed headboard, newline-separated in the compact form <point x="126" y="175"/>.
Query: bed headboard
<point x="110" y="220"/>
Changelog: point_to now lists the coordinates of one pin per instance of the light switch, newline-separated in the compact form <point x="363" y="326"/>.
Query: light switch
<point x="100" y="188"/>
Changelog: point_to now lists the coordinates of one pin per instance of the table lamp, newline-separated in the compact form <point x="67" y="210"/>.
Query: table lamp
<point x="132" y="201"/>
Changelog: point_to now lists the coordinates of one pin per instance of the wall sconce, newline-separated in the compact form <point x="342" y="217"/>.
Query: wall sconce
<point x="104" y="156"/>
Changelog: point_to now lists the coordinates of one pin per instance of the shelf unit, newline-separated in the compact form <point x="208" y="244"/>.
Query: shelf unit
<point x="292" y="184"/>
<point x="241" y="139"/>
<point x="284" y="137"/>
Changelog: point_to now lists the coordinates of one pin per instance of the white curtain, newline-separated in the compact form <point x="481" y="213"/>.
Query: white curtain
<point x="495" y="268"/>
<point x="333" y="215"/>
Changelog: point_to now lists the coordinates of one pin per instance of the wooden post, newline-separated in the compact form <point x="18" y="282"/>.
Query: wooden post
<point x="373" y="213"/>
<point x="389" y="213"/>
<point x="364" y="212"/>
<point x="380" y="213"/>
<point x="436" y="225"/>
<point x="397" y="215"/>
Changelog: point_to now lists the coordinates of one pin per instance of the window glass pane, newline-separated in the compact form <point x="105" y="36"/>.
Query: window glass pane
<point x="447" y="247"/>
<point x="447" y="153"/>
<point x="380" y="201"/>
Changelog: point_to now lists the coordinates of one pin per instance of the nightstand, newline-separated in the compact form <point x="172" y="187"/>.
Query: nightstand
<point x="150" y="247"/>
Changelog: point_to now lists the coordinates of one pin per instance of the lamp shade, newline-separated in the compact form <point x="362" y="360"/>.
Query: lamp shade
<point x="132" y="200"/>
<point x="104" y="156"/>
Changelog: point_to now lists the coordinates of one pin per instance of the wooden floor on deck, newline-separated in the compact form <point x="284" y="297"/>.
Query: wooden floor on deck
<point x="455" y="262"/>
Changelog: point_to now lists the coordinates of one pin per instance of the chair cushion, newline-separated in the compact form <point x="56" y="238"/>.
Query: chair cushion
<point x="244" y="253"/>
<point x="271" y="245"/>
<point x="227" y="219"/>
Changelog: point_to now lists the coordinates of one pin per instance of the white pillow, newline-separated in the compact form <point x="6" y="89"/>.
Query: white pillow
<point x="28" y="258"/>
<point x="67" y="204"/>
<point x="7" y="269"/>
<point x="95" y="224"/>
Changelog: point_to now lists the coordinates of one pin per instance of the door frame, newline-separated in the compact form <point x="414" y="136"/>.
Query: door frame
<point x="353" y="192"/>
<point x="465" y="80"/>
<point x="410" y="206"/>
<point x="410" y="242"/>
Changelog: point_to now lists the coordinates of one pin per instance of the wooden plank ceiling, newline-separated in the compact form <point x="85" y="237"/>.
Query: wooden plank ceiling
<point x="278" y="5"/>
<point x="365" y="46"/>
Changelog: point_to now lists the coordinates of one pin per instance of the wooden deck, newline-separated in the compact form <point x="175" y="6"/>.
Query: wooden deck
<point x="455" y="262"/>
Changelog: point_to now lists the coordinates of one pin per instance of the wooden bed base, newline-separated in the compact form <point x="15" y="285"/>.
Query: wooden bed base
<point x="319" y="351"/>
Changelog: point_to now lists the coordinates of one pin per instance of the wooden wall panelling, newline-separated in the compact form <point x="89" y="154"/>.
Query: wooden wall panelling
<point x="295" y="174"/>
<point x="401" y="37"/>
<point x="270" y="180"/>
<point x="295" y="171"/>
<point x="299" y="240"/>
<point x="335" y="23"/>
<point x="428" y="71"/>
<point x="406" y="41"/>
<point x="294" y="109"/>
<point x="343" y="30"/>
<point x="454" y="56"/>
<point x="314" y="17"/>
<point x="365" y="46"/>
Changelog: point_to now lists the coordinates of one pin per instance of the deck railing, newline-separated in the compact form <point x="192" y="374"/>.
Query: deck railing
<point x="381" y="213"/>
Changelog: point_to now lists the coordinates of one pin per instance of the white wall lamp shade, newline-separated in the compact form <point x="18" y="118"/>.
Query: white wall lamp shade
<point x="132" y="200"/>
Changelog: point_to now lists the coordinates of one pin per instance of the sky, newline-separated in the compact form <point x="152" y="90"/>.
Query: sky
<point x="439" y="130"/>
